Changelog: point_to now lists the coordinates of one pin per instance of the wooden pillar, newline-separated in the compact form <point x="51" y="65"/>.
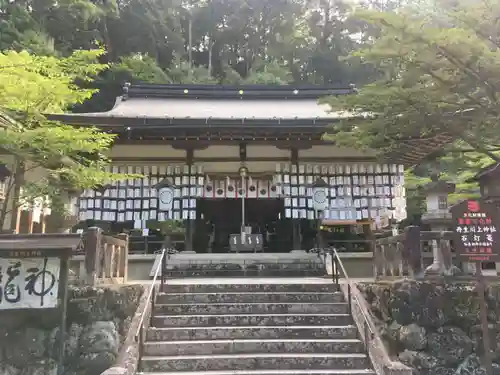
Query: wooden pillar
<point x="93" y="248"/>
<point x="18" y="179"/>
<point x="296" y="230"/>
<point x="368" y="234"/>
<point x="190" y="223"/>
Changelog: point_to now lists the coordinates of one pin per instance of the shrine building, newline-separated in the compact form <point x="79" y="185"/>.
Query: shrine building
<point x="221" y="160"/>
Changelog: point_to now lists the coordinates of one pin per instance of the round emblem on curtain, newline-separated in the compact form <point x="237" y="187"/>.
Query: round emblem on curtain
<point x="319" y="196"/>
<point x="166" y="196"/>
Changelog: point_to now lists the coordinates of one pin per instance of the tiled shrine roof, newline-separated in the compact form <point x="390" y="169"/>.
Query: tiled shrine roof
<point x="234" y="113"/>
<point x="148" y="104"/>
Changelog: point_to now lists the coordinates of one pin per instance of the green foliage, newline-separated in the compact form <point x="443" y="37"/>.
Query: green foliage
<point x="45" y="84"/>
<point x="62" y="158"/>
<point x="270" y="74"/>
<point x="299" y="40"/>
<point x="138" y="68"/>
<point x="440" y="73"/>
<point x="167" y="227"/>
<point x="181" y="72"/>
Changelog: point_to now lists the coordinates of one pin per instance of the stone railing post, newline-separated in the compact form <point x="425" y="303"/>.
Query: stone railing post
<point x="413" y="251"/>
<point x="446" y="255"/>
<point x="93" y="248"/>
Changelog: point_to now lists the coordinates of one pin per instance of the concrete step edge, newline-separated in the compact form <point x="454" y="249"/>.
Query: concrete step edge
<point x="253" y="356"/>
<point x="250" y="303"/>
<point x="247" y="293"/>
<point x="299" y="280"/>
<point x="239" y="341"/>
<point x="166" y="316"/>
<point x="247" y="327"/>
<point x="266" y="372"/>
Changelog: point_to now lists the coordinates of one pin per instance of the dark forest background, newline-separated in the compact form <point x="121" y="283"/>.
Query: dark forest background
<point x="197" y="41"/>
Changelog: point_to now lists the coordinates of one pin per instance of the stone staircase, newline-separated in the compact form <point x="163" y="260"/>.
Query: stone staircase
<point x="264" y="329"/>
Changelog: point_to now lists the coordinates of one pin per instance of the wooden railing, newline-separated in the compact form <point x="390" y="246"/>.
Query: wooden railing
<point x="106" y="257"/>
<point x="403" y="255"/>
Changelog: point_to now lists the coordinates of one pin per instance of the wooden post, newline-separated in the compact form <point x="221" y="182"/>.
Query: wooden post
<point x="376" y="260"/>
<point x="445" y="250"/>
<point x="481" y="290"/>
<point x="63" y="298"/>
<point x="30" y="221"/>
<point x="93" y="248"/>
<point x="413" y="251"/>
<point x="296" y="223"/>
<point x="43" y="223"/>
<point x="17" y="219"/>
<point x="123" y="267"/>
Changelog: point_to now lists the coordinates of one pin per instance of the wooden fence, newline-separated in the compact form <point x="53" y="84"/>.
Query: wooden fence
<point x="106" y="257"/>
<point x="403" y="255"/>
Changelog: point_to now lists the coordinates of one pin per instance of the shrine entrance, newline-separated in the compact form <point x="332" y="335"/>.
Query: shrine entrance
<point x="218" y="218"/>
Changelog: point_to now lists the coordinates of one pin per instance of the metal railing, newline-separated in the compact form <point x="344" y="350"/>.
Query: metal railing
<point x="358" y="309"/>
<point x="150" y="305"/>
<point x="369" y="329"/>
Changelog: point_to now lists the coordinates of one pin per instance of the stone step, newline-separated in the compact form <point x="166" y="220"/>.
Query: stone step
<point x="252" y="332"/>
<point x="269" y="372"/>
<point x="264" y="361"/>
<point x="249" y="297"/>
<point x="247" y="346"/>
<point x="328" y="286"/>
<point x="228" y="320"/>
<point x="299" y="270"/>
<point x="251" y="308"/>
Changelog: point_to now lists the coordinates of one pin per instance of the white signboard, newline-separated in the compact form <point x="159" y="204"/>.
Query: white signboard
<point x="29" y="283"/>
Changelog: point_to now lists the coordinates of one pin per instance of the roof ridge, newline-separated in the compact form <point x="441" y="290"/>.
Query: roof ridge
<point x="195" y="91"/>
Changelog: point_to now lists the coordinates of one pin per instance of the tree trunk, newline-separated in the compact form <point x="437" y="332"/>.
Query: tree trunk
<point x="190" y="43"/>
<point x="210" y="46"/>
<point x="13" y="195"/>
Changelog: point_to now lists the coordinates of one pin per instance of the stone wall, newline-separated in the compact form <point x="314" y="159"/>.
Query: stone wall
<point x="434" y="327"/>
<point x="98" y="320"/>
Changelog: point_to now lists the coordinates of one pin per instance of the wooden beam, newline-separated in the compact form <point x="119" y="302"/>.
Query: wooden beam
<point x="185" y="145"/>
<point x="227" y="159"/>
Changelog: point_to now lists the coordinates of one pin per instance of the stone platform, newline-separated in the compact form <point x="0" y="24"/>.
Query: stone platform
<point x="295" y="263"/>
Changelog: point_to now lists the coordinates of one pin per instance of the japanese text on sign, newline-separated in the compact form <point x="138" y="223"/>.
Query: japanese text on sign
<point x="30" y="283"/>
<point x="476" y="232"/>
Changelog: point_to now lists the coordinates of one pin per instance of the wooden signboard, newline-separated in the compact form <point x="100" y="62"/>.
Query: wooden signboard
<point x="34" y="271"/>
<point x="475" y="224"/>
<point x="30" y="283"/>
<point x="476" y="240"/>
